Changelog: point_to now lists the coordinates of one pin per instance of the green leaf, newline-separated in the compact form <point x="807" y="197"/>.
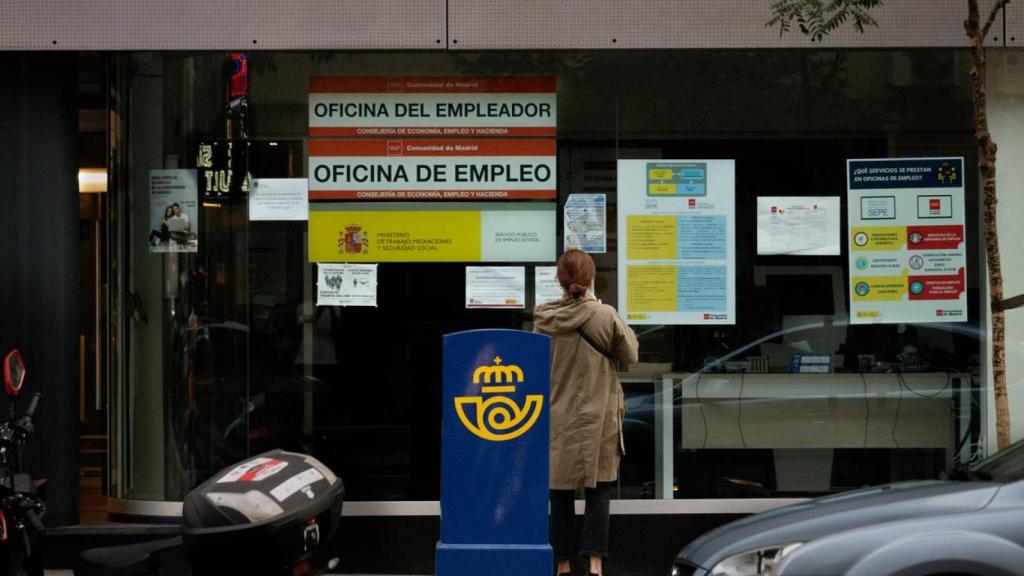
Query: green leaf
<point x="818" y="18"/>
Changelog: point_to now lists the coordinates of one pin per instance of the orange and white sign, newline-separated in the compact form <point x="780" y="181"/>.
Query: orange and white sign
<point x="423" y="170"/>
<point x="432" y="107"/>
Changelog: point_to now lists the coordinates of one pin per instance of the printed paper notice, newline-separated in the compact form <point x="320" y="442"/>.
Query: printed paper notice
<point x="173" y="211"/>
<point x="798" y="225"/>
<point x="279" y="199"/>
<point x="585" y="223"/>
<point x="677" y="220"/>
<point x="546" y="286"/>
<point x="495" y="287"/>
<point x="346" y="285"/>
<point x="908" y="248"/>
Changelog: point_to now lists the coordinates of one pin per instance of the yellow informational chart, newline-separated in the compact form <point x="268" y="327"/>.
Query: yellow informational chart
<point x="654" y="288"/>
<point x="677" y="226"/>
<point x="651" y="237"/>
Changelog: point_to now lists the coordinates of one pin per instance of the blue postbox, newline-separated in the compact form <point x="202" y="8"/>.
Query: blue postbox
<point x="494" y="454"/>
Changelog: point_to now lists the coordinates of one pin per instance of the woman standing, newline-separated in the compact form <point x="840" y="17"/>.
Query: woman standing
<point x="588" y="340"/>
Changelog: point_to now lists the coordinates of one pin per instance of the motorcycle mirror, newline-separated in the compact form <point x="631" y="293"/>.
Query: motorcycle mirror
<point x="14" y="372"/>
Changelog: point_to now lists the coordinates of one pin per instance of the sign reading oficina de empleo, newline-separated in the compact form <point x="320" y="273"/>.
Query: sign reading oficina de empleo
<point x="907" y="242"/>
<point x="428" y="170"/>
<point x="417" y="169"/>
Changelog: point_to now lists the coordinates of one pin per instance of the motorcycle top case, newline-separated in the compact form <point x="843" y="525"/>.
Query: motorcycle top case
<point x="276" y="513"/>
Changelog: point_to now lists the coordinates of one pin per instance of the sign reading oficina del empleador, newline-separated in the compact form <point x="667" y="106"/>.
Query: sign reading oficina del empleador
<point x="431" y="107"/>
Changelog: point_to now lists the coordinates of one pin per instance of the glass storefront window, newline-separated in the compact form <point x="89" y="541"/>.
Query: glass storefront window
<point x="225" y="353"/>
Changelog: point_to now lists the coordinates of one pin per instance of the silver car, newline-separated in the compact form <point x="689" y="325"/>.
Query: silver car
<point x="973" y="526"/>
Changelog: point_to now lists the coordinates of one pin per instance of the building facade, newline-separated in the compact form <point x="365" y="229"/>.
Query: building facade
<point x="184" y="338"/>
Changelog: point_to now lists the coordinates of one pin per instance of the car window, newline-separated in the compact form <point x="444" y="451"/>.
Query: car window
<point x="1004" y="466"/>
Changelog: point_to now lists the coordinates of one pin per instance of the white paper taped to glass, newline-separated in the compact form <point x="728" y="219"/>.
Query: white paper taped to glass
<point x="798" y="225"/>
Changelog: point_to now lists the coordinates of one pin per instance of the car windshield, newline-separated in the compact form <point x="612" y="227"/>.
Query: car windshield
<point x="1004" y="466"/>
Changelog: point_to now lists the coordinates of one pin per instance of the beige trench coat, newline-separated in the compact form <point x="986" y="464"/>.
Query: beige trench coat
<point x="587" y="405"/>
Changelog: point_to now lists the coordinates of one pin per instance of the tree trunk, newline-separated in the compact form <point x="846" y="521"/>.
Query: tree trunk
<point x="987" y="167"/>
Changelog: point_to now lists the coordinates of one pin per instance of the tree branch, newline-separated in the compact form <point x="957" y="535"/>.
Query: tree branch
<point x="992" y="17"/>
<point x="1008" y="303"/>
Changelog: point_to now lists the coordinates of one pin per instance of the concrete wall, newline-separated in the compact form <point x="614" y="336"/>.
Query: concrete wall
<point x="1006" y="120"/>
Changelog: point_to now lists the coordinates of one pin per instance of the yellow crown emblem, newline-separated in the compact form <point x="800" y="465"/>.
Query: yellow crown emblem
<point x="499" y="418"/>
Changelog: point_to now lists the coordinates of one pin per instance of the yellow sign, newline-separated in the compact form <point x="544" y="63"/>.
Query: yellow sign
<point x="498" y="418"/>
<point x="879" y="288"/>
<point x="651" y="237"/>
<point x="878" y="238"/>
<point x="661" y="189"/>
<point x="394" y="236"/>
<point x="652" y="288"/>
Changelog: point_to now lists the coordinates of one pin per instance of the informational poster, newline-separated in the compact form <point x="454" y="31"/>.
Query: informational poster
<point x="437" y="232"/>
<point x="798" y="225"/>
<point x="423" y="170"/>
<point x="346" y="285"/>
<point x="908" y="259"/>
<point x="173" y="211"/>
<point x="426" y="107"/>
<point x="279" y="199"/>
<point x="495" y="287"/>
<point x="585" y="222"/>
<point x="546" y="286"/>
<point x="677" y="254"/>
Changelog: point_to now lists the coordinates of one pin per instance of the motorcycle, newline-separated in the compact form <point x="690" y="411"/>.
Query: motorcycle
<point x="21" y="500"/>
<point x="274" y="514"/>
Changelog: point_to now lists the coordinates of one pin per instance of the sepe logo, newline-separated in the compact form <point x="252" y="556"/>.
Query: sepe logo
<point x="713" y="316"/>
<point x="934" y="204"/>
<point x="353" y="240"/>
<point x="693" y="202"/>
<point x="394" y="147"/>
<point x="396" y="84"/>
<point x="498" y="417"/>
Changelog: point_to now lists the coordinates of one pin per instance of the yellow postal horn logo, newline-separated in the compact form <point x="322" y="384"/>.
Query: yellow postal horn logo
<point x="498" y="417"/>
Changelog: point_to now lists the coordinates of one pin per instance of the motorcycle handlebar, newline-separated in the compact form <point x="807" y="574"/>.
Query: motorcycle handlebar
<point x="35" y="521"/>
<point x="32" y="405"/>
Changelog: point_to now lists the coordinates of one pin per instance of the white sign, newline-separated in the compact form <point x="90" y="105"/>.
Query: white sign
<point x="279" y="199"/>
<point x="173" y="211"/>
<point x="798" y="225"/>
<point x="346" y="285"/>
<point x="677" y="248"/>
<point x="301" y="481"/>
<point x="495" y="287"/>
<point x="432" y="106"/>
<point x="255" y="470"/>
<point x="585" y="223"/>
<point x="518" y="235"/>
<point x="908" y="246"/>
<point x="422" y="170"/>
<point x="546" y="285"/>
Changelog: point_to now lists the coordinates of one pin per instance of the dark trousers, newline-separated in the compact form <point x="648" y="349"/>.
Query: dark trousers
<point x="594" y="538"/>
